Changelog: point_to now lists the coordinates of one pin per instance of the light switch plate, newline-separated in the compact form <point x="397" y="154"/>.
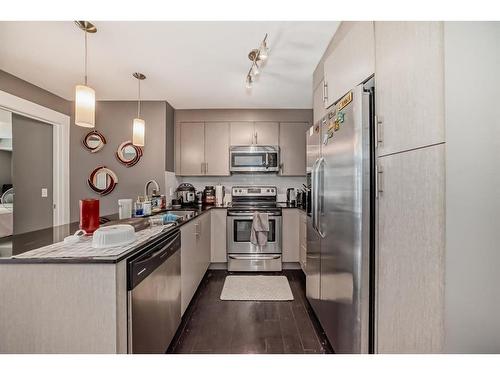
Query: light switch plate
<point x="44" y="193"/>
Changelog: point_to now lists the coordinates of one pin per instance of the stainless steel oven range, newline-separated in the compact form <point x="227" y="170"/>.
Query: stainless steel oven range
<point x="242" y="254"/>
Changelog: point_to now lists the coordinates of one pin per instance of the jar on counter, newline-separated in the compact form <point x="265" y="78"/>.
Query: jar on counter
<point x="209" y="195"/>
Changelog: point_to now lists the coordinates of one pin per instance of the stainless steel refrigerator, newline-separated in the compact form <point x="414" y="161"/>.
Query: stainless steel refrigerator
<point x="340" y="228"/>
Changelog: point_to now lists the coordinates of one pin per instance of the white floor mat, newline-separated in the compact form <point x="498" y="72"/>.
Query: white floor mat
<point x="256" y="288"/>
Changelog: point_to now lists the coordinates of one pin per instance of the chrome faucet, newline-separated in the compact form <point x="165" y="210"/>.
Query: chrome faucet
<point x="146" y="187"/>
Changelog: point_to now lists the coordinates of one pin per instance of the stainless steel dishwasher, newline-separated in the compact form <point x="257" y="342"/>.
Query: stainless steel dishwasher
<point x="154" y="295"/>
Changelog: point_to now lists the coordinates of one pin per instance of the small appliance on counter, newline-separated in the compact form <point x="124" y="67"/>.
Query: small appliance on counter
<point x="187" y="193"/>
<point x="209" y="196"/>
<point x="199" y="198"/>
<point x="291" y="196"/>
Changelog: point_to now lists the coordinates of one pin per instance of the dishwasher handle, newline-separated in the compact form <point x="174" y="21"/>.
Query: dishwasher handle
<point x="143" y="265"/>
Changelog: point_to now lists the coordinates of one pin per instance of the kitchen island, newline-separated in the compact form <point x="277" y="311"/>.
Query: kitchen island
<point x="66" y="304"/>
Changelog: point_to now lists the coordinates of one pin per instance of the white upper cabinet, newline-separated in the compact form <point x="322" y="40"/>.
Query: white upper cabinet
<point x="254" y="133"/>
<point x="318" y="102"/>
<point x="217" y="149"/>
<point x="409" y="85"/>
<point x="204" y="149"/>
<point x="351" y="62"/>
<point x="293" y="148"/>
<point x="192" y="152"/>
<point x="266" y="133"/>
<point x="242" y="133"/>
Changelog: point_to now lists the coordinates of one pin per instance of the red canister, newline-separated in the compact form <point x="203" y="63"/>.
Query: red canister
<point x="89" y="215"/>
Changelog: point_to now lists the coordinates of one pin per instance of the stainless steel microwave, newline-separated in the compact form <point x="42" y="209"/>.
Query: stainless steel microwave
<point x="254" y="158"/>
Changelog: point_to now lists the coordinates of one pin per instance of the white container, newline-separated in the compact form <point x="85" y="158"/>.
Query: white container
<point x="113" y="236"/>
<point x="146" y="208"/>
<point x="124" y="208"/>
<point x="219" y="195"/>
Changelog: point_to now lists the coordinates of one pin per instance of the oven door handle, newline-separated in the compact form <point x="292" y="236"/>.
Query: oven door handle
<point x="267" y="257"/>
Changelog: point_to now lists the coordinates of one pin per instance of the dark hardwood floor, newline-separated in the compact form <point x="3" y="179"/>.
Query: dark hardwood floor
<point x="210" y="325"/>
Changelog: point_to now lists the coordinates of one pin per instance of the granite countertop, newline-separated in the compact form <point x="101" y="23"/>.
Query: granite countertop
<point x="25" y="242"/>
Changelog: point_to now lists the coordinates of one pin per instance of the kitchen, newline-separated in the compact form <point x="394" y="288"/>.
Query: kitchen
<point x="299" y="201"/>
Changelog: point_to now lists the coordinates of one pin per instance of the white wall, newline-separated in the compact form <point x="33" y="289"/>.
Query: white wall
<point x="472" y="289"/>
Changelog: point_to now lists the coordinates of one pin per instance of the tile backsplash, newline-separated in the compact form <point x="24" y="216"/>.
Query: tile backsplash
<point x="281" y="183"/>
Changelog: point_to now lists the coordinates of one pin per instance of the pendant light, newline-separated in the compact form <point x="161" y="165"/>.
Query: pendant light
<point x="85" y="95"/>
<point x="139" y="123"/>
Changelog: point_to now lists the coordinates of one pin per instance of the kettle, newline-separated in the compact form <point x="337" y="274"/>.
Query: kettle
<point x="290" y="196"/>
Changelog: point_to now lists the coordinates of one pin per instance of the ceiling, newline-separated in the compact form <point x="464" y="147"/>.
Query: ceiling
<point x="189" y="64"/>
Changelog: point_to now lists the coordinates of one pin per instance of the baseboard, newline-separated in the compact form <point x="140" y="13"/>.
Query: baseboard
<point x="286" y="266"/>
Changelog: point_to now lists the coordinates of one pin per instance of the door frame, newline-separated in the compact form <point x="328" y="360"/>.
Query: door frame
<point x="60" y="148"/>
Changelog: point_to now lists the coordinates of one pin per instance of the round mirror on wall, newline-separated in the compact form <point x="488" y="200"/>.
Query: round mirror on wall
<point x="128" y="154"/>
<point x="93" y="141"/>
<point x="102" y="180"/>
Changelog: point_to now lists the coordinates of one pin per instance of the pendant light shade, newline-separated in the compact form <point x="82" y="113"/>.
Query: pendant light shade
<point x="84" y="106"/>
<point x="139" y="125"/>
<point x="138" y="132"/>
<point x="85" y="95"/>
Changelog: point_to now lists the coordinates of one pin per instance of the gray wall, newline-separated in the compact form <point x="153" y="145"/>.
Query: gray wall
<point x="35" y="94"/>
<point x="114" y="120"/>
<point x="5" y="167"/>
<point x="32" y="171"/>
<point x="472" y="288"/>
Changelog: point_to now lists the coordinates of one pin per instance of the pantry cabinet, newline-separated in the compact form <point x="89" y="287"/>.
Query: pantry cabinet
<point x="292" y="142"/>
<point x="195" y="256"/>
<point x="266" y="133"/>
<point x="351" y="62"/>
<point x="409" y="85"/>
<point x="410" y="253"/>
<point x="204" y="149"/>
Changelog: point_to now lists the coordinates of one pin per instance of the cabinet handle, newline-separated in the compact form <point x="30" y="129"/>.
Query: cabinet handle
<point x="325" y="92"/>
<point x="378" y="131"/>
<point x="206" y="168"/>
<point x="379" y="180"/>
<point x="256" y="142"/>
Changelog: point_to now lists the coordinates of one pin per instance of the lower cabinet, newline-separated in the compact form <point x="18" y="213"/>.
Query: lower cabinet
<point x="290" y="244"/>
<point x="218" y="253"/>
<point x="195" y="256"/>
<point x="302" y="239"/>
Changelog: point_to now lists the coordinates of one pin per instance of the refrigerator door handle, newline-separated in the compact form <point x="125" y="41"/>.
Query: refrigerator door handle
<point x="314" y="195"/>
<point x="321" y="195"/>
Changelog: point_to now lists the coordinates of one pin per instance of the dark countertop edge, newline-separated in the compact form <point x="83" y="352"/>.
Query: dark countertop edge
<point x="118" y="258"/>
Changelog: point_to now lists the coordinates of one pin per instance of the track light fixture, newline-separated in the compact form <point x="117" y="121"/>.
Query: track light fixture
<point x="256" y="56"/>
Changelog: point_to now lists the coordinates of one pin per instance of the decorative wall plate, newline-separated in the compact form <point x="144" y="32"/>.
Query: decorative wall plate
<point x="93" y="141"/>
<point x="128" y="154"/>
<point x="102" y="180"/>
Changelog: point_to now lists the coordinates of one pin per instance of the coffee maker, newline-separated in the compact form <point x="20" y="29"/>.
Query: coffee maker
<point x="291" y="196"/>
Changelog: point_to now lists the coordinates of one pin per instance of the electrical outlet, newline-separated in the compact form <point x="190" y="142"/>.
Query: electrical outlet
<point x="44" y="193"/>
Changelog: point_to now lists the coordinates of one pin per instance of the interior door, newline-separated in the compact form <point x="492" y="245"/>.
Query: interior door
<point x="242" y="133"/>
<point x="217" y="149"/>
<point x="192" y="148"/>
<point x="31" y="173"/>
<point x="266" y="133"/>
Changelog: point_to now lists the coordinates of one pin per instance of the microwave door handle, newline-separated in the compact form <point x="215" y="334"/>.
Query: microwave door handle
<point x="267" y="160"/>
